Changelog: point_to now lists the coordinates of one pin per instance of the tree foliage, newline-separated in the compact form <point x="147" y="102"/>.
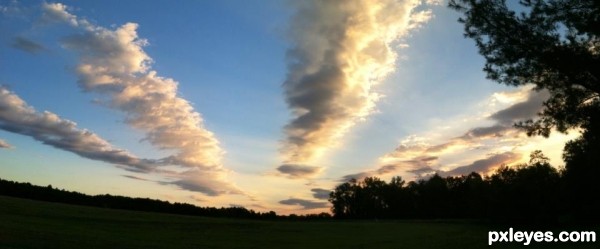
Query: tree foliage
<point x="552" y="44"/>
<point x="525" y="193"/>
<point x="29" y="191"/>
<point x="555" y="45"/>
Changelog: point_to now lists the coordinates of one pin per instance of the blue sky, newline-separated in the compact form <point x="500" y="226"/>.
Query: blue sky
<point x="275" y="102"/>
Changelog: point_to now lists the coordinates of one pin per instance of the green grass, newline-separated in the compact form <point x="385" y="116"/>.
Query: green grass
<point x="35" y="224"/>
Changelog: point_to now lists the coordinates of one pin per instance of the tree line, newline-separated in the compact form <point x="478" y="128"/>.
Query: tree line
<point x="535" y="192"/>
<point x="51" y="194"/>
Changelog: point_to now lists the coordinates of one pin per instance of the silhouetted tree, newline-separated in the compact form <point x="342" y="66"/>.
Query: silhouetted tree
<point x="27" y="190"/>
<point x="531" y="192"/>
<point x="554" y="45"/>
<point x="582" y="157"/>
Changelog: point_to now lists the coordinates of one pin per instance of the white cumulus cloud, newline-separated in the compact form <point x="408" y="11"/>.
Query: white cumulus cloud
<point x="340" y="51"/>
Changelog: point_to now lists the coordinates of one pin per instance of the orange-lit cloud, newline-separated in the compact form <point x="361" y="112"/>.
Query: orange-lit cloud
<point x="5" y="145"/>
<point x="114" y="64"/>
<point x="340" y="51"/>
<point x="487" y="146"/>
<point x="484" y="165"/>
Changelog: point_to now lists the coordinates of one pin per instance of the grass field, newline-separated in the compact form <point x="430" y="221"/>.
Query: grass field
<point x="35" y="224"/>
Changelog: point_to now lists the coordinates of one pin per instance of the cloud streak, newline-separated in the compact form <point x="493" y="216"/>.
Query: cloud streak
<point x="27" y="45"/>
<point x="306" y="204"/>
<point x="483" y="165"/>
<point x="298" y="171"/>
<point x="114" y="65"/>
<point x="340" y="51"/>
<point x="18" y="117"/>
<point x="321" y="194"/>
<point x="418" y="158"/>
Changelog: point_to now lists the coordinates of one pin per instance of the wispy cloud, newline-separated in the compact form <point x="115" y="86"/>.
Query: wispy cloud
<point x="321" y="194"/>
<point x="57" y="13"/>
<point x="114" y="64"/>
<point x="306" y="204"/>
<point x="298" y="171"/>
<point x="27" y="45"/>
<point x="18" y="117"/>
<point x="340" y="51"/>
<point x="135" y="177"/>
<point x="484" y="165"/>
<point x="5" y="145"/>
<point x="419" y="158"/>
<point x="11" y="8"/>
<point x="211" y="183"/>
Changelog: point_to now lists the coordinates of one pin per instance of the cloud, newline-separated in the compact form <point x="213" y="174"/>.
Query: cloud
<point x="321" y="194"/>
<point x="211" y="183"/>
<point x="5" y="145"/>
<point x="497" y="130"/>
<point x="306" y="204"/>
<point x="18" y="117"/>
<point x="417" y="157"/>
<point x="57" y="12"/>
<point x="114" y="64"/>
<point x="196" y="198"/>
<point x="484" y="165"/>
<point x="505" y="118"/>
<point x="27" y="45"/>
<point x="357" y="176"/>
<point x="420" y="172"/>
<point x="523" y="110"/>
<point x="406" y="165"/>
<point x="136" y="178"/>
<point x="340" y="51"/>
<point x="11" y="9"/>
<point x="298" y="171"/>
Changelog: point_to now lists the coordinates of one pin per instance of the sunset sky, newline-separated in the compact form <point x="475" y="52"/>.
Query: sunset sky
<point x="267" y="104"/>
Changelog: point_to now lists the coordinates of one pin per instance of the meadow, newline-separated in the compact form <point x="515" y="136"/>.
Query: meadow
<point x="35" y="224"/>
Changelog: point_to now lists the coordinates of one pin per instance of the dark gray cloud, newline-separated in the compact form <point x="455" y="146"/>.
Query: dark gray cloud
<point x="135" y="177"/>
<point x="193" y="186"/>
<point x="506" y="118"/>
<point x="497" y="130"/>
<point x="298" y="171"/>
<point x="387" y="169"/>
<point x="208" y="182"/>
<point x="380" y="171"/>
<point x="484" y="165"/>
<point x="321" y="194"/>
<point x="420" y="172"/>
<point x="17" y="117"/>
<point x="440" y="147"/>
<point x="306" y="204"/>
<point x="414" y="163"/>
<point x="524" y="110"/>
<point x="27" y="45"/>
<point x="330" y="74"/>
<point x="357" y="176"/>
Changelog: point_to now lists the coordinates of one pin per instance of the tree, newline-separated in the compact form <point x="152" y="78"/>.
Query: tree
<point x="552" y="44"/>
<point x="343" y="199"/>
<point x="555" y="45"/>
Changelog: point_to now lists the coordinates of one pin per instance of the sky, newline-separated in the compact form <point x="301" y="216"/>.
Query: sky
<point x="264" y="104"/>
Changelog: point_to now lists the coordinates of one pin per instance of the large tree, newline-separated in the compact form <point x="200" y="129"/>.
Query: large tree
<point x="555" y="45"/>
